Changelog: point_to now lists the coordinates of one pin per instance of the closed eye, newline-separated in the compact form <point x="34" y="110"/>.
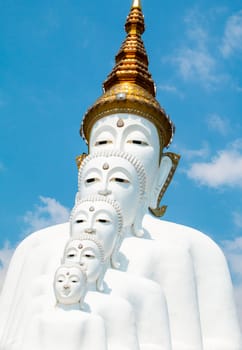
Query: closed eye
<point x="120" y="180"/>
<point x="138" y="142"/>
<point x="103" y="220"/>
<point x="71" y="255"/>
<point x="89" y="256"/>
<point x="103" y="142"/>
<point x="79" y="221"/>
<point x="91" y="180"/>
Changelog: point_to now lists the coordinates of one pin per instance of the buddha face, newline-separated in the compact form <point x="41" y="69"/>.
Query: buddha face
<point x="69" y="284"/>
<point x="131" y="134"/>
<point x="97" y="218"/>
<point x="86" y="253"/>
<point x="114" y="177"/>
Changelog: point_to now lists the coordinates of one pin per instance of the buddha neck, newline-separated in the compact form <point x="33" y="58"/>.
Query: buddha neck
<point x="66" y="307"/>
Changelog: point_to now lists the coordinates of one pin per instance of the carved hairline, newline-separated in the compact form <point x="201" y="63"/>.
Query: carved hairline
<point x="124" y="155"/>
<point x="86" y="237"/>
<point x="97" y="198"/>
<point x="71" y="265"/>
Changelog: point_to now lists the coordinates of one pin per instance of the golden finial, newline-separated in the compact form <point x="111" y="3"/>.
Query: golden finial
<point x="136" y="3"/>
<point x="129" y="88"/>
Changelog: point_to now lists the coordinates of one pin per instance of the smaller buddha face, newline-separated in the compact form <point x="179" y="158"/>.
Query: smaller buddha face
<point x="114" y="177"/>
<point x="86" y="253"/>
<point x="97" y="218"/>
<point x="131" y="134"/>
<point x="69" y="284"/>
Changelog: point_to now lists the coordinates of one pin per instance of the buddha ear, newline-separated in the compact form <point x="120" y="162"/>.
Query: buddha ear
<point x="114" y="256"/>
<point x="99" y="281"/>
<point x="137" y="227"/>
<point x="168" y="165"/>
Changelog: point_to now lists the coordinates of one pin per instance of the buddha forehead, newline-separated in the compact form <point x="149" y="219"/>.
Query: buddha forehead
<point x="68" y="271"/>
<point x="105" y="165"/>
<point x="128" y="133"/>
<point x="81" y="244"/>
<point x="123" y="123"/>
<point x="91" y="209"/>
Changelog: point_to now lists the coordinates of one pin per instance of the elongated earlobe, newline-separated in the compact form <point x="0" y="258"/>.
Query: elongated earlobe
<point x="169" y="163"/>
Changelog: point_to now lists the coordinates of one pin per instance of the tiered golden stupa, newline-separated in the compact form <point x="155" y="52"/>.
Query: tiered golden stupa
<point x="129" y="88"/>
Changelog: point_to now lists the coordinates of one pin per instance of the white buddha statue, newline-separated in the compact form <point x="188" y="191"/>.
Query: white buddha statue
<point x="116" y="313"/>
<point x="65" y="326"/>
<point x="191" y="269"/>
<point x="100" y="218"/>
<point x="104" y="220"/>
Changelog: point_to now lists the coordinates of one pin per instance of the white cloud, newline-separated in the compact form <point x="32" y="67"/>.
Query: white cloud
<point x="202" y="152"/>
<point x="170" y="89"/>
<point x="49" y="212"/>
<point x="218" y="123"/>
<point x="5" y="255"/>
<point x="232" y="41"/>
<point x="196" y="64"/>
<point x="237" y="217"/>
<point x="225" y="169"/>
<point x="198" y="58"/>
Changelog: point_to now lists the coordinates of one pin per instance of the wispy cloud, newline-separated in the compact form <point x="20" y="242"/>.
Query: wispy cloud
<point x="194" y="60"/>
<point x="196" y="64"/>
<point x="5" y="255"/>
<point x="190" y="154"/>
<point x="48" y="212"/>
<point x="232" y="41"/>
<point x="199" y="56"/>
<point x="218" y="123"/>
<point x="170" y="89"/>
<point x="237" y="218"/>
<point x="224" y="169"/>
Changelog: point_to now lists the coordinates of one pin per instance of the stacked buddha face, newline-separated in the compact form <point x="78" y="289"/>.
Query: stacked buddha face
<point x="101" y="218"/>
<point x="88" y="253"/>
<point x="118" y="176"/>
<point x="139" y="137"/>
<point x="70" y="284"/>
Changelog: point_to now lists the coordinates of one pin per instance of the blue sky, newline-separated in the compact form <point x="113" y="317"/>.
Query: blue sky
<point x="54" y="57"/>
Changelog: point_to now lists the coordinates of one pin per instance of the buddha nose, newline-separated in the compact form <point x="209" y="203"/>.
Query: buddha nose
<point x="66" y="286"/>
<point x="90" y="230"/>
<point x="105" y="191"/>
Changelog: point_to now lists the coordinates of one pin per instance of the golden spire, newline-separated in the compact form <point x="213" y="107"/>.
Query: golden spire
<point x="129" y="88"/>
<point x="131" y="60"/>
<point x="137" y="3"/>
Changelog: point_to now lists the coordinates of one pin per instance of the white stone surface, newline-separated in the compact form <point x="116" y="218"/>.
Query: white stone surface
<point x="192" y="271"/>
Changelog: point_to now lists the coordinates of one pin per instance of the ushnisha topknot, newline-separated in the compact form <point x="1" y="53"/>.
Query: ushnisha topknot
<point x="96" y="198"/>
<point x="119" y="154"/>
<point x="129" y="88"/>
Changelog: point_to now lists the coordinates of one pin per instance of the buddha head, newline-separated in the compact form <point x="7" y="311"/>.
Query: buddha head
<point x="100" y="217"/>
<point x="88" y="252"/>
<point x="118" y="176"/>
<point x="138" y="136"/>
<point x="70" y="283"/>
<point x="128" y="117"/>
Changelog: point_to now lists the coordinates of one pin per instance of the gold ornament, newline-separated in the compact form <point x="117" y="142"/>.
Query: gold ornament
<point x="129" y="88"/>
